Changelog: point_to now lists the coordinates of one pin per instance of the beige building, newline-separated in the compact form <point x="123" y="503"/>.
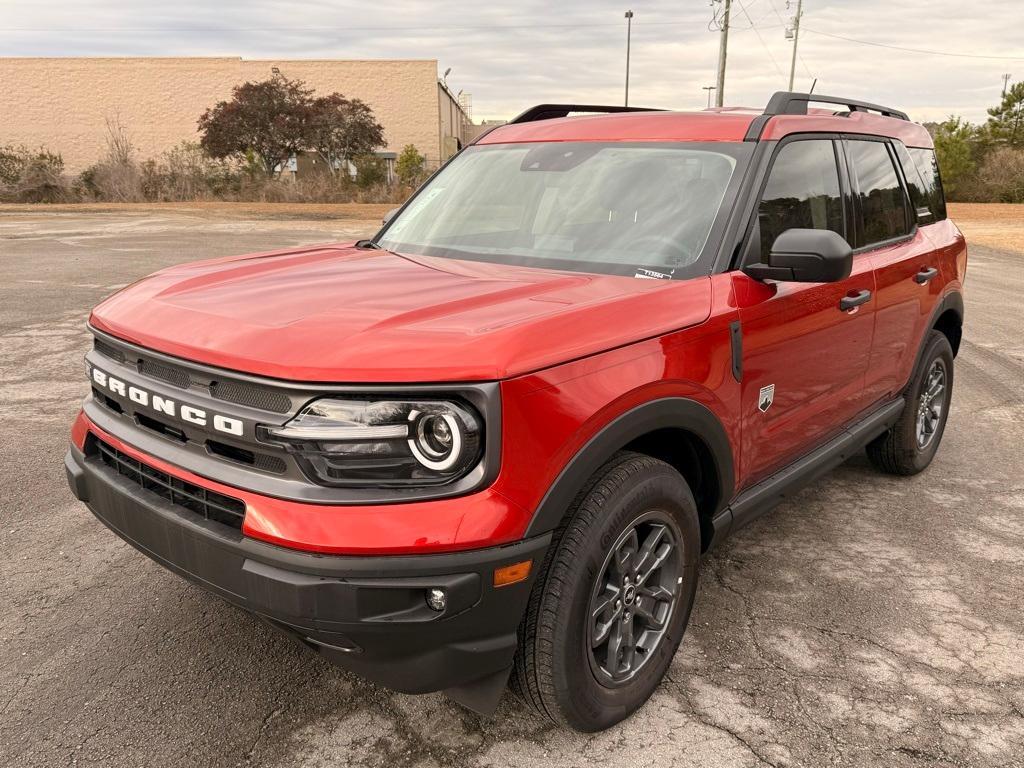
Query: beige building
<point x="63" y="104"/>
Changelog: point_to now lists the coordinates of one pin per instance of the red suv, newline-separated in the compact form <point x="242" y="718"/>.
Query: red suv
<point x="494" y="441"/>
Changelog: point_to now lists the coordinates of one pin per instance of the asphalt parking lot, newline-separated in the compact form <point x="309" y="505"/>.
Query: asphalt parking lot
<point x="870" y="621"/>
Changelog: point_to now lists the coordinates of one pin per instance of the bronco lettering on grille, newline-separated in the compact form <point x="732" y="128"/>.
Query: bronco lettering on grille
<point x="189" y="413"/>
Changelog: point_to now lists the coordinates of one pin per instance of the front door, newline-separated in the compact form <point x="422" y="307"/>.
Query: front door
<point x="806" y="346"/>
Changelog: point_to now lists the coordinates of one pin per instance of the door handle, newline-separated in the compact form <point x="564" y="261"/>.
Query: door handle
<point x="926" y="274"/>
<point x="849" y="302"/>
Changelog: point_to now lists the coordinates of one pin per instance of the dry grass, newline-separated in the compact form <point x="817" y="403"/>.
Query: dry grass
<point x="995" y="225"/>
<point x="218" y="210"/>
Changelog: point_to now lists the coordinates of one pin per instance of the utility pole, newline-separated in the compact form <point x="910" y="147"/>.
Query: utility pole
<point x="796" y="40"/>
<point x="709" y="89"/>
<point x="723" y="44"/>
<point x="629" y="34"/>
<point x="1006" y="80"/>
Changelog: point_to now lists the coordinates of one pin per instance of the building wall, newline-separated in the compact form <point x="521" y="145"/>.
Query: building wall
<point x="63" y="103"/>
<point x="455" y="124"/>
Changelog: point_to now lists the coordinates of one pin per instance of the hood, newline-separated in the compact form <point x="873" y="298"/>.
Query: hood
<point x="341" y="314"/>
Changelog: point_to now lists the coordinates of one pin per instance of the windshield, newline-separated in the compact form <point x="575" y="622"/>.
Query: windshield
<point x="644" y="210"/>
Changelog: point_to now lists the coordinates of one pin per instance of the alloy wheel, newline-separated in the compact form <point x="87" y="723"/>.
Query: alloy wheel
<point x="634" y="598"/>
<point x="931" y="404"/>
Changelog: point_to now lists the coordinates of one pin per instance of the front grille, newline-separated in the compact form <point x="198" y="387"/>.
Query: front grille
<point x="108" y="350"/>
<point x="205" y="503"/>
<point x="169" y="373"/>
<point x="253" y="397"/>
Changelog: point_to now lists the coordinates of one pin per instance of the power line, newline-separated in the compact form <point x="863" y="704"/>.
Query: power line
<point x="914" y="50"/>
<point x="761" y="39"/>
<point x="786" y="24"/>
<point x="327" y="28"/>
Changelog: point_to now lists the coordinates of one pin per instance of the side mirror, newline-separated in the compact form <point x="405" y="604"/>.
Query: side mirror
<point x="389" y="216"/>
<point x="806" y="256"/>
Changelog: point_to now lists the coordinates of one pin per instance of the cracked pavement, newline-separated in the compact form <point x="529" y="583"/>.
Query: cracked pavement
<point x="869" y="621"/>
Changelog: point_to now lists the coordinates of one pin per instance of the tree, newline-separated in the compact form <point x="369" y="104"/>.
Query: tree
<point x="269" y="119"/>
<point x="954" y="149"/>
<point x="1006" y="122"/>
<point x="371" y="171"/>
<point x="341" y="129"/>
<point x="410" y="166"/>
<point x="1001" y="176"/>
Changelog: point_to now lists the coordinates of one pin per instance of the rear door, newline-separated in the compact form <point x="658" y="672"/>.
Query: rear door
<point x="892" y="210"/>
<point x="804" y="356"/>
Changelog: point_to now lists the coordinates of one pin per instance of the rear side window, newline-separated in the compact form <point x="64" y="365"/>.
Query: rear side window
<point x="883" y="209"/>
<point x="928" y="167"/>
<point x="802" y="191"/>
<point x="921" y="172"/>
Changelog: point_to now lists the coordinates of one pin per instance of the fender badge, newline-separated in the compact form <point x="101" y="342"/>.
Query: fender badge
<point x="765" y="398"/>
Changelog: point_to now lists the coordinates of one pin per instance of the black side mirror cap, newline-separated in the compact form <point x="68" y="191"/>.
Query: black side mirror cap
<point x="806" y="256"/>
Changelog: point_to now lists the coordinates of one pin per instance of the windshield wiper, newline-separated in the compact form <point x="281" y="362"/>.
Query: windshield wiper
<point x="368" y="244"/>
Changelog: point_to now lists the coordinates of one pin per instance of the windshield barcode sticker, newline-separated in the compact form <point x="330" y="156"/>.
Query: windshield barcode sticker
<point x="650" y="274"/>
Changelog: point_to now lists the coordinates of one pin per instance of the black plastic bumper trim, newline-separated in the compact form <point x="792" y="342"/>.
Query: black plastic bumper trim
<point x="367" y="614"/>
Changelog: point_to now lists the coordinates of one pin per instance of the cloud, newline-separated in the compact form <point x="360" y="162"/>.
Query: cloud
<point x="512" y="55"/>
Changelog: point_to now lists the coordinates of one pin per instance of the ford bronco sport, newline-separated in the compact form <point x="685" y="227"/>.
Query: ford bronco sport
<point x="492" y="442"/>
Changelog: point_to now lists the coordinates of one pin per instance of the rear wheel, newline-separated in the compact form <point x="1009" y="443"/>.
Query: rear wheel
<point x="910" y="445"/>
<point x="613" y="598"/>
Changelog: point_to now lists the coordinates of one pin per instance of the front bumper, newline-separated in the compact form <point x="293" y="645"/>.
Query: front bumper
<point x="367" y="614"/>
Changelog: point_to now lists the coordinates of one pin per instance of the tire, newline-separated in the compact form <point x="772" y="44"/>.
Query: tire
<point x="557" y="669"/>
<point x="910" y="446"/>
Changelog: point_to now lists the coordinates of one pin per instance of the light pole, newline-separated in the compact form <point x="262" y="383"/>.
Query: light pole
<point x="629" y="33"/>
<point x="723" y="45"/>
<point x="796" y="40"/>
<point x="709" y="89"/>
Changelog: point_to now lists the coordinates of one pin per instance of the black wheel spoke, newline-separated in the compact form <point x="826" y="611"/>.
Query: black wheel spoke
<point x="659" y="593"/>
<point x="628" y="642"/>
<point x="606" y="601"/>
<point x="625" y="555"/>
<point x="646" y="609"/>
<point x="603" y="630"/>
<point x="612" y="657"/>
<point x="649" y="549"/>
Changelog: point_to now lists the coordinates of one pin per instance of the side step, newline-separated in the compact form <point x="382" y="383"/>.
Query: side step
<point x="765" y="495"/>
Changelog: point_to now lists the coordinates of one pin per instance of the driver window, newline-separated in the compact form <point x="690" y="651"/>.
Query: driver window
<point x="802" y="192"/>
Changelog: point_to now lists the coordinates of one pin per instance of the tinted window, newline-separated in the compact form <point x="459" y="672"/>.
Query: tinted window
<point x="928" y="166"/>
<point x="882" y="205"/>
<point x="919" y="204"/>
<point x="802" y="191"/>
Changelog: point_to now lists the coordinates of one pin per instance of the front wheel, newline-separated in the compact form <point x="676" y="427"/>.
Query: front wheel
<point x="613" y="598"/>
<point x="910" y="445"/>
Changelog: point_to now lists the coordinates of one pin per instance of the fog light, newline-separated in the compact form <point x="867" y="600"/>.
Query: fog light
<point x="437" y="599"/>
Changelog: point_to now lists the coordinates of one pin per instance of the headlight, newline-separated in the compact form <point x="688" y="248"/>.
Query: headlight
<point x="361" y="443"/>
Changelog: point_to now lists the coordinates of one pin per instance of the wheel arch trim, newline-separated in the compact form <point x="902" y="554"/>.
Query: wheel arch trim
<point x="665" y="413"/>
<point x="952" y="301"/>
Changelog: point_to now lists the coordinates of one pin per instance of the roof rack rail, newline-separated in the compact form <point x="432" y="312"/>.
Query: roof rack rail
<point x="552" y="111"/>
<point x="791" y="103"/>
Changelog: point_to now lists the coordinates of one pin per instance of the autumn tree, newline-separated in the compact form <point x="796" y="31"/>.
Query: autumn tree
<point x="341" y="129"/>
<point x="269" y="119"/>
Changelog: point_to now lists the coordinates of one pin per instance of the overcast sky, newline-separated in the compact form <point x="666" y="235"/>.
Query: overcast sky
<point x="513" y="54"/>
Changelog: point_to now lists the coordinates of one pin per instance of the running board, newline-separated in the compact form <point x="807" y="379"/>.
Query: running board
<point x="765" y="495"/>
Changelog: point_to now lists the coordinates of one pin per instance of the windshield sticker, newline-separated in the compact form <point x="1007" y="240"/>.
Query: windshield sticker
<point x="650" y="274"/>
